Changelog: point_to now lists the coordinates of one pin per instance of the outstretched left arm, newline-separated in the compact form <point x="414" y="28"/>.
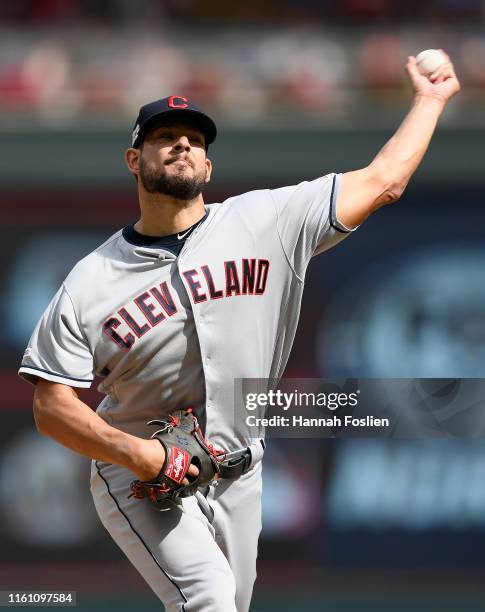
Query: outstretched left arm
<point x="385" y="178"/>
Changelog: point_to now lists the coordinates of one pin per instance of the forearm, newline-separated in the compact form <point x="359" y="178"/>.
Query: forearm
<point x="64" y="417"/>
<point x="402" y="154"/>
<point x="385" y="178"/>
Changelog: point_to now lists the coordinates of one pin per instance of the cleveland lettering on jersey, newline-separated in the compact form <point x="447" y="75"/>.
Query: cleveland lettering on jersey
<point x="154" y="305"/>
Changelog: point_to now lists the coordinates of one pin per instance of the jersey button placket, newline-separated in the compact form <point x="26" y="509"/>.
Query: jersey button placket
<point x="200" y="327"/>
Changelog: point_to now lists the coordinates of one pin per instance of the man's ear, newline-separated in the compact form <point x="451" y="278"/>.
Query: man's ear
<point x="208" y="165"/>
<point x="132" y="160"/>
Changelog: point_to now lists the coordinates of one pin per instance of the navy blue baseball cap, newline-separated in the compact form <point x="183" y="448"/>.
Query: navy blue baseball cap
<point x="178" y="109"/>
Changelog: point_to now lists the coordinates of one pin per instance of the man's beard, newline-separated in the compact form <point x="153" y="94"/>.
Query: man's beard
<point x="177" y="186"/>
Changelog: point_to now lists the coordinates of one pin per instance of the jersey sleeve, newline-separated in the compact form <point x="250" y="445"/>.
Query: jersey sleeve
<point x="307" y="220"/>
<point x="58" y="350"/>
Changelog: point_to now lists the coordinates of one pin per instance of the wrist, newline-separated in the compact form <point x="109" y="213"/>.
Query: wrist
<point x="136" y="456"/>
<point x="147" y="459"/>
<point x="431" y="99"/>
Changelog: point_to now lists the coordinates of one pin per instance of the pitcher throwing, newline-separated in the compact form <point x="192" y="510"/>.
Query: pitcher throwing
<point x="168" y="312"/>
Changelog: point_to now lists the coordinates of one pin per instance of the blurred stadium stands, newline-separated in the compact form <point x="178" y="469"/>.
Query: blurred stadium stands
<point x="298" y="77"/>
<point x="76" y="63"/>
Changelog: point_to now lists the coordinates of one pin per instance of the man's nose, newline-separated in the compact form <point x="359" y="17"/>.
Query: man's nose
<point x="182" y="144"/>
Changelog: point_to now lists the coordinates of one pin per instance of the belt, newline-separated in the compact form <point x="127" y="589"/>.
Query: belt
<point x="241" y="461"/>
<point x="234" y="465"/>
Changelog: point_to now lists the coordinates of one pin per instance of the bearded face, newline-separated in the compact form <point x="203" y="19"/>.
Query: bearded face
<point x="173" y="162"/>
<point x="176" y="179"/>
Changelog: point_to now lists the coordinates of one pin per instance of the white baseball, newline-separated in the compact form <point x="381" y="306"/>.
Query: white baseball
<point x="430" y="60"/>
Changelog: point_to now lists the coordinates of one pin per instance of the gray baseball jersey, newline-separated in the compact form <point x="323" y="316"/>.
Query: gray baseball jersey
<point x="165" y="331"/>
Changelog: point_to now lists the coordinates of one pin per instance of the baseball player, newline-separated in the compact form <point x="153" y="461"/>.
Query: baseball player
<point x="168" y="312"/>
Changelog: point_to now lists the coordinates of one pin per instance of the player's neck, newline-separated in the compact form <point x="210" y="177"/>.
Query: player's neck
<point x="163" y="216"/>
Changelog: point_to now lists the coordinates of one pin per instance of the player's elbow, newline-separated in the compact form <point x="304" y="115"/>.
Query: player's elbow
<point x="389" y="185"/>
<point x="43" y="406"/>
<point x="389" y="188"/>
<point x="392" y="193"/>
<point x="40" y="414"/>
<point x="54" y="404"/>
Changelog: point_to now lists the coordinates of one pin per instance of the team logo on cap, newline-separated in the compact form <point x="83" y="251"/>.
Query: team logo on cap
<point x="177" y="102"/>
<point x="134" y="136"/>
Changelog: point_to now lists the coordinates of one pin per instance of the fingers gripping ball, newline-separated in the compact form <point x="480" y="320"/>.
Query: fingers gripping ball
<point x="184" y="444"/>
<point x="430" y="60"/>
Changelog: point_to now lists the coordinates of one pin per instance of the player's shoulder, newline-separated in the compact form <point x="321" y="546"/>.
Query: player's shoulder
<point x="269" y="196"/>
<point x="242" y="203"/>
<point x="92" y="265"/>
<point x="247" y="196"/>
